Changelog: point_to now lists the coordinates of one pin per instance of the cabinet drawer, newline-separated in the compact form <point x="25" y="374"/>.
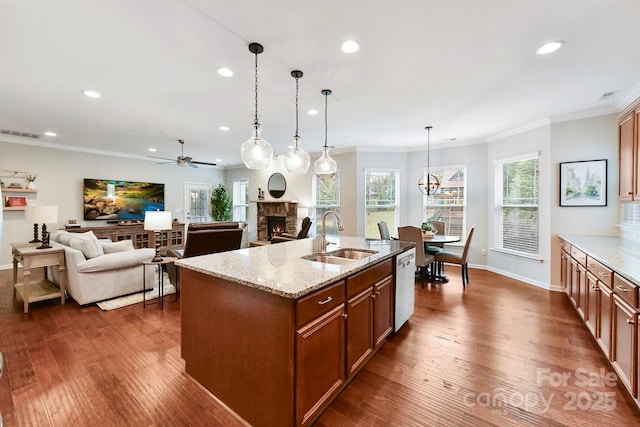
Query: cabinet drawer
<point x="318" y="303"/>
<point x="625" y="290"/>
<point x="600" y="271"/>
<point x="360" y="281"/>
<point x="565" y="246"/>
<point x="578" y="255"/>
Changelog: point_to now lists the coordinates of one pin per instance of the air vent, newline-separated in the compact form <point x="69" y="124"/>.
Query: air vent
<point x="608" y="95"/>
<point x="19" y="133"/>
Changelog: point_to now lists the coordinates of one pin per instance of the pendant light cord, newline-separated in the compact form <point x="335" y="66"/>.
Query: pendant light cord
<point x="255" y="122"/>
<point x="296" y="135"/>
<point x="428" y="128"/>
<point x="326" y="95"/>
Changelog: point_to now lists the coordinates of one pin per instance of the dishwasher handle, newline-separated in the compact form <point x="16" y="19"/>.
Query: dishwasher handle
<point x="405" y="261"/>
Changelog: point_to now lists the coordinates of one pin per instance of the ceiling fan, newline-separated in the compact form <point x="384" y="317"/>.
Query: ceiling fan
<point x="183" y="160"/>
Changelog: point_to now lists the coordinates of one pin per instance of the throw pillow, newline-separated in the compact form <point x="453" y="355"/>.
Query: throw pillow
<point x="110" y="247"/>
<point x="87" y="243"/>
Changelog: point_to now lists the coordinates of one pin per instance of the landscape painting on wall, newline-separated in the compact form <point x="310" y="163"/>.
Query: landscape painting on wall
<point x="106" y="199"/>
<point x="583" y="183"/>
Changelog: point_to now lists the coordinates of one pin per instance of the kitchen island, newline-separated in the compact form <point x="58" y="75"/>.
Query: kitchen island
<point x="276" y="337"/>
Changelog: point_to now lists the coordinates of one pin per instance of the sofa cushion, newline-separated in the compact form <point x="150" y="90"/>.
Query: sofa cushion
<point x="87" y="243"/>
<point x="116" y="260"/>
<point x="110" y="247"/>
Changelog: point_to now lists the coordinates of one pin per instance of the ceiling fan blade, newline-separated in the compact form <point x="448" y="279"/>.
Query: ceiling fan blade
<point x="203" y="163"/>
<point x="161" y="158"/>
<point x="191" y="165"/>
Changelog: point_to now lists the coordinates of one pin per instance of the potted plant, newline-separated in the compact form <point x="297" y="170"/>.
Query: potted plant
<point x="30" y="177"/>
<point x="427" y="229"/>
<point x="220" y="204"/>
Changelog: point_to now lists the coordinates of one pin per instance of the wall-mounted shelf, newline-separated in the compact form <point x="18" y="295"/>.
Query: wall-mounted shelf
<point x="18" y="190"/>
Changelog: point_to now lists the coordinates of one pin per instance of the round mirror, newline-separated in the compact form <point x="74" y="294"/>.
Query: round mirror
<point x="276" y="185"/>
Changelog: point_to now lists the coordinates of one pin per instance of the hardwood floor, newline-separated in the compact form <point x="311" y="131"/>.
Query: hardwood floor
<point x="481" y="357"/>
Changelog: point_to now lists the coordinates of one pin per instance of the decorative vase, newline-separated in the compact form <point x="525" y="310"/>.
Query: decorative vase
<point x="31" y="185"/>
<point x="428" y="234"/>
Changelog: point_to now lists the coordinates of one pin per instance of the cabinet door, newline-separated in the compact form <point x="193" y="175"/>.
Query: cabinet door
<point x="564" y="270"/>
<point x="582" y="290"/>
<point x="573" y="282"/>
<point x="626" y="156"/>
<point x="359" y="329"/>
<point x="593" y="302"/>
<point x="382" y="310"/>
<point x="624" y="343"/>
<point x="320" y="363"/>
<point x="604" y="317"/>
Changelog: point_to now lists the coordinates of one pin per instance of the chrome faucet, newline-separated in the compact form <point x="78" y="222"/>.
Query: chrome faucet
<point x="323" y="238"/>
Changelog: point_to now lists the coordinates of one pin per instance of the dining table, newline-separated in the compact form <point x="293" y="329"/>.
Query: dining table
<point x="438" y="240"/>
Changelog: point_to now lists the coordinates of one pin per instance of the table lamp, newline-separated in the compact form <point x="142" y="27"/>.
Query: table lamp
<point x="157" y="221"/>
<point x="41" y="215"/>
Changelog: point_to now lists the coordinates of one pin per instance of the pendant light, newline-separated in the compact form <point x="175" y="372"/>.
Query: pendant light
<point x="297" y="160"/>
<point x="325" y="165"/>
<point x="256" y="153"/>
<point x="429" y="183"/>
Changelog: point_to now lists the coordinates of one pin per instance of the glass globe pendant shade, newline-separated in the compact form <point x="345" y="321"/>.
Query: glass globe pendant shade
<point x="256" y="153"/>
<point x="297" y="161"/>
<point x="428" y="184"/>
<point x="325" y="165"/>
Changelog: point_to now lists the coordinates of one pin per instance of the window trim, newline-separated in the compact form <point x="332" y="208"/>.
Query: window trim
<point x="464" y="204"/>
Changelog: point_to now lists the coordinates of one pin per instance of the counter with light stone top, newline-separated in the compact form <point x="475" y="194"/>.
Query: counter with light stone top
<point x="279" y="268"/>
<point x="620" y="255"/>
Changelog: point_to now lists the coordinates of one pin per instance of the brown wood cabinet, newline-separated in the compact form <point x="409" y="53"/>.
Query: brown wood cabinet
<point x="140" y="237"/>
<point x="628" y="153"/>
<point x="565" y="254"/>
<point x="280" y="361"/>
<point x="610" y="306"/>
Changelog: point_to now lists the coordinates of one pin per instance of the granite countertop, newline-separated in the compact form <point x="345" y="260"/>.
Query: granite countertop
<point x="279" y="268"/>
<point x="620" y="255"/>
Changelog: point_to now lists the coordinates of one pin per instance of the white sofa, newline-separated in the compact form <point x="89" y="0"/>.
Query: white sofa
<point x="101" y="269"/>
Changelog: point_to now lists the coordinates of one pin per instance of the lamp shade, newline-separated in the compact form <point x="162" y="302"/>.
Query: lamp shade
<point x="41" y="214"/>
<point x="157" y="220"/>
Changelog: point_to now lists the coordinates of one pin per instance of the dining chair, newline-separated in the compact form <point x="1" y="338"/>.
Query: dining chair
<point x="461" y="259"/>
<point x="410" y="233"/>
<point x="384" y="230"/>
<point x="434" y="249"/>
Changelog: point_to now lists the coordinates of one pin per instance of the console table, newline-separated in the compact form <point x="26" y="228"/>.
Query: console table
<point x="31" y="257"/>
<point x="171" y="239"/>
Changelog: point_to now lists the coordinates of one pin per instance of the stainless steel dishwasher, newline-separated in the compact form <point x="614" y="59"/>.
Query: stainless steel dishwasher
<point x="405" y="286"/>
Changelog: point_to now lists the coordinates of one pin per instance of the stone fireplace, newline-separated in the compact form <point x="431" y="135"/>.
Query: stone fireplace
<point x="286" y="210"/>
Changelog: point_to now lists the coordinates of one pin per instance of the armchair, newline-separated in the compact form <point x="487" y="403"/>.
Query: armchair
<point x="207" y="238"/>
<point x="302" y="234"/>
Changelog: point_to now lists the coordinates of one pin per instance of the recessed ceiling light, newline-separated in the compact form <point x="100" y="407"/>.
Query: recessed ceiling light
<point x="50" y="133"/>
<point x="153" y="150"/>
<point x="350" y="46"/>
<point x="550" y="47"/>
<point x="218" y="160"/>
<point x="91" y="93"/>
<point x="225" y="72"/>
<point x="224" y="128"/>
<point x="313" y="112"/>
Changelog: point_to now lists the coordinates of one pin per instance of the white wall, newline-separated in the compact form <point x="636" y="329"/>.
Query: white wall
<point x="60" y="182"/>
<point x="587" y="139"/>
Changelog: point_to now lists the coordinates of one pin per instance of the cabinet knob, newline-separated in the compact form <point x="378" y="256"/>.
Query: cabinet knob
<point x="325" y="301"/>
<point x="622" y="288"/>
<point x="603" y="274"/>
<point x="345" y="315"/>
<point x="629" y="321"/>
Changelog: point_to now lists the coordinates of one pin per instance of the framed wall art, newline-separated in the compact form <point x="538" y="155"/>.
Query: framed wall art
<point x="583" y="183"/>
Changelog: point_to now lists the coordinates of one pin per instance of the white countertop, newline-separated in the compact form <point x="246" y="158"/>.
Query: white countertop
<point x="279" y="269"/>
<point x="620" y="255"/>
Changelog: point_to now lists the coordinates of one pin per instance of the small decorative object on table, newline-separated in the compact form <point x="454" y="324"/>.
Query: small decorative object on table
<point x="428" y="230"/>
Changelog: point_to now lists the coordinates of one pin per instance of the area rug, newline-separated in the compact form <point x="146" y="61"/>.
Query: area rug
<point x="136" y="298"/>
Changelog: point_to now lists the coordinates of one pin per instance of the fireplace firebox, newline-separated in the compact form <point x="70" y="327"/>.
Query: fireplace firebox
<point x="276" y="225"/>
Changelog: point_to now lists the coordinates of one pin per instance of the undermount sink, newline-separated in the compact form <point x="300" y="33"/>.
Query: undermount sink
<point x="341" y="256"/>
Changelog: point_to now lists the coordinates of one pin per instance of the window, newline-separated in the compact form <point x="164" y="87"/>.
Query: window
<point x="240" y="200"/>
<point x="516" y="212"/>
<point x="326" y="194"/>
<point x="381" y="201"/>
<point x="449" y="203"/>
